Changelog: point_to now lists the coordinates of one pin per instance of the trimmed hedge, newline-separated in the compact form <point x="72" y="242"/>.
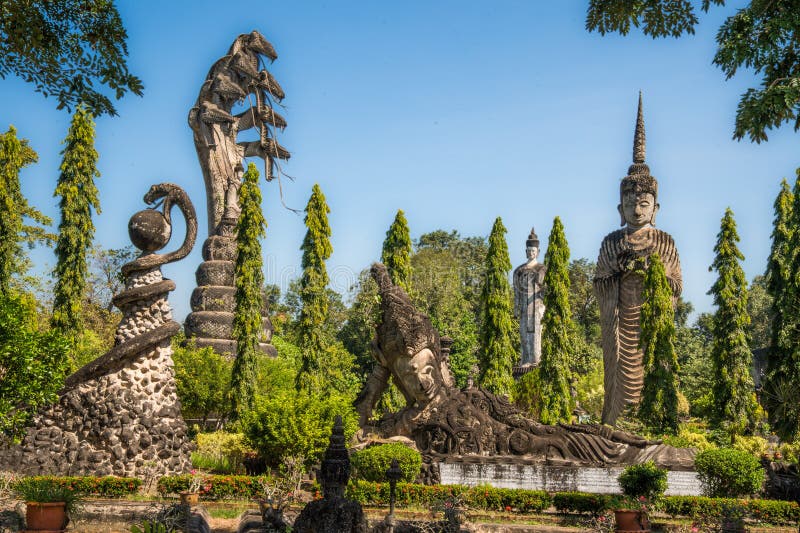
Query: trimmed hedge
<point x="770" y="511"/>
<point x="483" y="498"/>
<point x="104" y="487"/>
<point x="582" y="502"/>
<point x="215" y="487"/>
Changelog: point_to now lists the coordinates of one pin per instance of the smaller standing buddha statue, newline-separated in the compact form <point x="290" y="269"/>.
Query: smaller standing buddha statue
<point x="529" y="304"/>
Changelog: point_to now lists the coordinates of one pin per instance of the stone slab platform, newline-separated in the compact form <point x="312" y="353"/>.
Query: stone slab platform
<point x="537" y="476"/>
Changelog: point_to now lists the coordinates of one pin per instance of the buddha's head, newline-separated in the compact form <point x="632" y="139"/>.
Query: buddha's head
<point x="638" y="191"/>
<point x="408" y="343"/>
<point x="532" y="246"/>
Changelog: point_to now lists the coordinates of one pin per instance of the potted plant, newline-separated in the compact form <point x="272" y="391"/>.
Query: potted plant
<point x="642" y="487"/>
<point x="191" y="496"/>
<point x="48" y="502"/>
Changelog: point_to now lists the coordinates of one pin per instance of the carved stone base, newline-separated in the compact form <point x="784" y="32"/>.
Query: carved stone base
<point x="126" y="422"/>
<point x="213" y="301"/>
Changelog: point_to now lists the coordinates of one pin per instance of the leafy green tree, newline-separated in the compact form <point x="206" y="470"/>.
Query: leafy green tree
<point x="396" y="253"/>
<point x="68" y="49"/>
<point x="313" y="285"/>
<point x="32" y="363"/>
<point x="496" y="347"/>
<point x="759" y="37"/>
<point x="360" y="322"/>
<point x="446" y="269"/>
<point x="582" y="300"/>
<point x="759" y="303"/>
<point x="658" y="408"/>
<point x="249" y="278"/>
<point x="558" y="330"/>
<point x="15" y="154"/>
<point x="734" y="396"/>
<point x="202" y="380"/>
<point x="78" y="195"/>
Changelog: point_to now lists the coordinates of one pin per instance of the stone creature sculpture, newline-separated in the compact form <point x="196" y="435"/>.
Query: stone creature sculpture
<point x="233" y="79"/>
<point x="444" y="421"/>
<point x="529" y="305"/>
<point x="619" y="277"/>
<point x="333" y="513"/>
<point x="120" y="414"/>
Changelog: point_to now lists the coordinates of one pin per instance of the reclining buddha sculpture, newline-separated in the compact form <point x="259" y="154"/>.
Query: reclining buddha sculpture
<point x="443" y="420"/>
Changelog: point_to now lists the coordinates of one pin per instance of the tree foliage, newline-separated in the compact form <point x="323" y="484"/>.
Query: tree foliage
<point x="249" y="279"/>
<point x="497" y="325"/>
<point x="761" y="38"/>
<point x="396" y="253"/>
<point x="759" y="302"/>
<point x="313" y="285"/>
<point x="734" y="397"/>
<point x="71" y="50"/>
<point x="32" y="363"/>
<point x="658" y="408"/>
<point x="15" y="154"/>
<point x="202" y="380"/>
<point x="558" y="330"/>
<point x="78" y="195"/>
<point x="448" y="270"/>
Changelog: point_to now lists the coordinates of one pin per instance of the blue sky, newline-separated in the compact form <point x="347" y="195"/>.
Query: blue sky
<point x="456" y="112"/>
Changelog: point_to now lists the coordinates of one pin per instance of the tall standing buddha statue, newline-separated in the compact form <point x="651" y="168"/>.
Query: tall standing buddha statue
<point x="529" y="304"/>
<point x="619" y="277"/>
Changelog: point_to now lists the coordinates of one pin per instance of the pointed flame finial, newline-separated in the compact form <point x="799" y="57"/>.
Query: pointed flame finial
<point x="638" y="136"/>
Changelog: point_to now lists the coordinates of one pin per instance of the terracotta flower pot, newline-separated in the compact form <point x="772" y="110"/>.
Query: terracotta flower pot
<point x="628" y="520"/>
<point x="189" y="498"/>
<point x="46" y="516"/>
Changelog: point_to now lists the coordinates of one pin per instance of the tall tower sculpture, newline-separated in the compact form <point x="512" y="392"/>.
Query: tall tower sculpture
<point x="619" y="278"/>
<point x="236" y="78"/>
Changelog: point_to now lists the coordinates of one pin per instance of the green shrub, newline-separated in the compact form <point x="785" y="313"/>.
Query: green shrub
<point x="755" y="445"/>
<point x="372" y="463"/>
<point x="644" y="479"/>
<point x="292" y="424"/>
<point x="687" y="438"/>
<point x="221" y="452"/>
<point x="726" y="472"/>
<point x="582" y="502"/>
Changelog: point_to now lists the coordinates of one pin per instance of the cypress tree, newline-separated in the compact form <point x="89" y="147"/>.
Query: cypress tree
<point x="733" y="390"/>
<point x="778" y="276"/>
<point x="497" y="326"/>
<point x="78" y="195"/>
<point x="249" y="279"/>
<point x="658" y="408"/>
<point x="15" y="154"/>
<point x="558" y="330"/>
<point x="313" y="284"/>
<point x="396" y="253"/>
<point x="783" y="283"/>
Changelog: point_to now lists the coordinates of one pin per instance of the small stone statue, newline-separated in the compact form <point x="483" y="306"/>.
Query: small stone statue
<point x="333" y="513"/>
<point x="529" y="304"/>
<point x="445" y="421"/>
<point x="619" y="276"/>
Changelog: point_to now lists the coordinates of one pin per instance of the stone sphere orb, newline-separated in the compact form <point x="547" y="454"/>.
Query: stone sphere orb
<point x="149" y="230"/>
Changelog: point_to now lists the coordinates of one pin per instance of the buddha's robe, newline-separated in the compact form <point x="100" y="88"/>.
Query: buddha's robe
<point x="618" y="286"/>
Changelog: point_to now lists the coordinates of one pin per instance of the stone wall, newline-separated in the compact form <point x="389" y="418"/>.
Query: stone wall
<point x="515" y="475"/>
